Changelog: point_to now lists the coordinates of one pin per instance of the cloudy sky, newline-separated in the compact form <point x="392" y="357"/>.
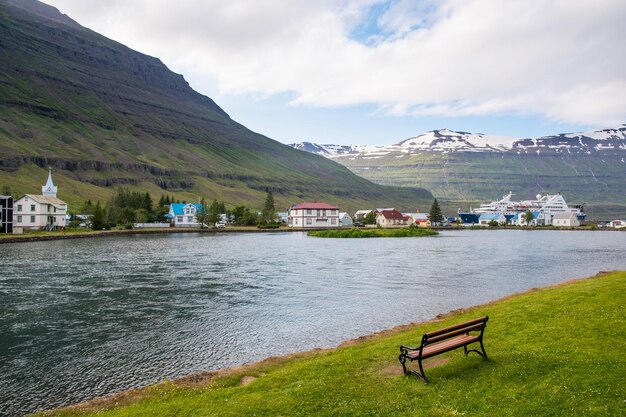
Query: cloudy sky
<point x="377" y="72"/>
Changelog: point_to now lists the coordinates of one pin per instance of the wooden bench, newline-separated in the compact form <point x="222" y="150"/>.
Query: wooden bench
<point x="445" y="340"/>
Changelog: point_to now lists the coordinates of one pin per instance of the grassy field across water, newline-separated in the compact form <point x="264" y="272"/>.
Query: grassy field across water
<point x="557" y="351"/>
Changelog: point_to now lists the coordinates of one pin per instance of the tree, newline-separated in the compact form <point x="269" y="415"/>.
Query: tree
<point x="202" y="215"/>
<point x="370" y="218"/>
<point x="97" y="217"/>
<point x="435" y="213"/>
<point x="529" y="217"/>
<point x="213" y="214"/>
<point x="269" y="211"/>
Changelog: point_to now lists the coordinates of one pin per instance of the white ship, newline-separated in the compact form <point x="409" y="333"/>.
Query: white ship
<point x="547" y="205"/>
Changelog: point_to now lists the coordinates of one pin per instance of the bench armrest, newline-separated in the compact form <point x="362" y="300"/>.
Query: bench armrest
<point x="404" y="348"/>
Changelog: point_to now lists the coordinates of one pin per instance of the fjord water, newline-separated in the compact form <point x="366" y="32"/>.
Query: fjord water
<point x="86" y="318"/>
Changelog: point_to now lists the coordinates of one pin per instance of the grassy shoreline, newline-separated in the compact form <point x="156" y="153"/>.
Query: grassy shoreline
<point x="553" y="351"/>
<point x="81" y="234"/>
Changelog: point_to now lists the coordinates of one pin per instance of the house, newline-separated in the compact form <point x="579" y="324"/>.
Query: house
<point x="345" y="220"/>
<point x="565" y="220"/>
<point x="282" y="216"/>
<point x="360" y="215"/>
<point x="618" y="224"/>
<point x="40" y="212"/>
<point x="487" y="218"/>
<point x="419" y="219"/>
<point x="390" y="217"/>
<point x="313" y="215"/>
<point x="519" y="219"/>
<point x="6" y="214"/>
<point x="184" y="214"/>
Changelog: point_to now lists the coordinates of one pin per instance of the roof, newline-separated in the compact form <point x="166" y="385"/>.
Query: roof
<point x="319" y="206"/>
<point x="491" y="216"/>
<point x="343" y="214"/>
<point x="178" y="208"/>
<point x="419" y="216"/>
<point x="563" y="216"/>
<point x="45" y="200"/>
<point x="392" y="214"/>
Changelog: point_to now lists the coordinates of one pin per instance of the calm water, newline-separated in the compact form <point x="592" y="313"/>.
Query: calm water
<point x="86" y="318"/>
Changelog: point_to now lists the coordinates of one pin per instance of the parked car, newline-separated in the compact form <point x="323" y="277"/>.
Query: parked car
<point x="358" y="224"/>
<point x="220" y="225"/>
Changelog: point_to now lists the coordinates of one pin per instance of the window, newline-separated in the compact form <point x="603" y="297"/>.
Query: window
<point x="19" y="219"/>
<point x="308" y="221"/>
<point x="19" y="207"/>
<point x="189" y="219"/>
<point x="49" y="208"/>
<point x="333" y="221"/>
<point x="32" y="219"/>
<point x="32" y="207"/>
<point x="55" y="209"/>
<point x="296" y="221"/>
<point x="308" y="211"/>
<point x="179" y="219"/>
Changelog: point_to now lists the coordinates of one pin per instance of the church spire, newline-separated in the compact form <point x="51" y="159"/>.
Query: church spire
<point x="49" y="190"/>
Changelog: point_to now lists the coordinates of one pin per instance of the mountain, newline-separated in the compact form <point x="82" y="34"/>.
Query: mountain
<point x="468" y="168"/>
<point x="103" y="115"/>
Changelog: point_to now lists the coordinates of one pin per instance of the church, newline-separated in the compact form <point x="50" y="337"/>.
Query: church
<point x="40" y="212"/>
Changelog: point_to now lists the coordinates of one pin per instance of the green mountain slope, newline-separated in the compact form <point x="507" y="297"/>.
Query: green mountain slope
<point x="103" y="115"/>
<point x="466" y="178"/>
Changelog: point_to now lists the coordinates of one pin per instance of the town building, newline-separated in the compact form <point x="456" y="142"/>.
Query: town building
<point x="184" y="214"/>
<point x="313" y="215"/>
<point x="565" y="220"/>
<point x="360" y="215"/>
<point x="486" y="218"/>
<point x="345" y="220"/>
<point x="40" y="212"/>
<point x="390" y="217"/>
<point x="617" y="224"/>
<point x="6" y="214"/>
<point x="419" y="219"/>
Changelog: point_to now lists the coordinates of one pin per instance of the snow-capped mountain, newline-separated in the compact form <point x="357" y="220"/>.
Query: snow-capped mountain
<point x="447" y="141"/>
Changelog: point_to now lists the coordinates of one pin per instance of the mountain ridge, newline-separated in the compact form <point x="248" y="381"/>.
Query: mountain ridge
<point x="104" y="115"/>
<point x="464" y="169"/>
<point x="446" y="140"/>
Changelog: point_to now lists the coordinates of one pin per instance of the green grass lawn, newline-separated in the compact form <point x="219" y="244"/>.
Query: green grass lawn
<point x="558" y="351"/>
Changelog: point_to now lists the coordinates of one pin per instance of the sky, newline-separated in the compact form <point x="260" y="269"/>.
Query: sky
<point x="377" y="72"/>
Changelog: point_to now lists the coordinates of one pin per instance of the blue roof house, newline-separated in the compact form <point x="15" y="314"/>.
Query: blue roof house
<point x="487" y="218"/>
<point x="520" y="220"/>
<point x="184" y="214"/>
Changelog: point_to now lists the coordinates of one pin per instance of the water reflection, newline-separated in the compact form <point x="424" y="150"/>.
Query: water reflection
<point x="85" y="318"/>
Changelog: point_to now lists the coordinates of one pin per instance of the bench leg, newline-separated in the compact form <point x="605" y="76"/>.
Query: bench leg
<point x="407" y="372"/>
<point x="482" y="347"/>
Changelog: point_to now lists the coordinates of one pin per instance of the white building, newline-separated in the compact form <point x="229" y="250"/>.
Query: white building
<point x="313" y="215"/>
<point x="345" y="220"/>
<point x="184" y="214"/>
<point x="40" y="212"/>
<point x="389" y="217"/>
<point x="565" y="220"/>
<point x="618" y="224"/>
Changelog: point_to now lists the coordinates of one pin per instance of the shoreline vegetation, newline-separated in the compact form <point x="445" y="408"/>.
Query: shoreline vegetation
<point x="366" y="233"/>
<point x="553" y="350"/>
<point x="37" y="236"/>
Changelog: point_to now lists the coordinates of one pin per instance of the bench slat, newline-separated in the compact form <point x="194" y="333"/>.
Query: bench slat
<point x="449" y="335"/>
<point x="457" y="326"/>
<point x="438" y="348"/>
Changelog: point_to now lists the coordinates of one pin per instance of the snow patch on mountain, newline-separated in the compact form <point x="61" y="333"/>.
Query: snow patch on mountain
<point x="445" y="140"/>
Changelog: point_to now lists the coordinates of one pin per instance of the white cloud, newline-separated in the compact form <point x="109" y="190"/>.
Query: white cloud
<point x="561" y="59"/>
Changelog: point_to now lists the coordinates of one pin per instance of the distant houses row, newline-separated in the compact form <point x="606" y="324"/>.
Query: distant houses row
<point x="47" y="212"/>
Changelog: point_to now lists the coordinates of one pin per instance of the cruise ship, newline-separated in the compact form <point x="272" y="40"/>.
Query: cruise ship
<point x="546" y="204"/>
